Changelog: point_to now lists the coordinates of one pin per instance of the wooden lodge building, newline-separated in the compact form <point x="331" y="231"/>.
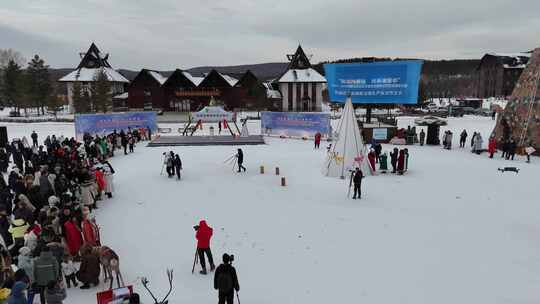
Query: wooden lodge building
<point x="497" y="74"/>
<point x="183" y="92"/>
<point x="298" y="88"/>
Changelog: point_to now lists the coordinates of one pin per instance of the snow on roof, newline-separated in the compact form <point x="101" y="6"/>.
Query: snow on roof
<point x="231" y="80"/>
<point x="270" y="92"/>
<point x="121" y="96"/>
<point x="158" y="77"/>
<point x="519" y="66"/>
<point x="89" y="75"/>
<point x="304" y="75"/>
<point x="528" y="55"/>
<point x="196" y="80"/>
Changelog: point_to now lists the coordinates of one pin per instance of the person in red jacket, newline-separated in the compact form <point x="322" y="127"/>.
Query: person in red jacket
<point x="203" y="236"/>
<point x="317" y="140"/>
<point x="73" y="236"/>
<point x="100" y="180"/>
<point x="90" y="230"/>
<point x="492" y="146"/>
<point x="372" y="159"/>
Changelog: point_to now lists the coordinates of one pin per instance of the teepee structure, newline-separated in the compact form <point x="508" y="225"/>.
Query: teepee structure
<point x="521" y="117"/>
<point x="348" y="150"/>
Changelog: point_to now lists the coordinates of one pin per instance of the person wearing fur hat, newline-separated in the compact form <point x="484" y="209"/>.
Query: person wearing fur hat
<point x="26" y="262"/>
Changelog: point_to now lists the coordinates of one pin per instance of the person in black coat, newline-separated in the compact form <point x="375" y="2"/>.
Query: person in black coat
<point x="124" y="141"/>
<point x="4" y="160"/>
<point x="357" y="180"/>
<point x="226" y="281"/>
<point x="512" y="146"/>
<point x="34" y="138"/>
<point x="393" y="159"/>
<point x="4" y="226"/>
<point x="177" y="165"/>
<point x="240" y="160"/>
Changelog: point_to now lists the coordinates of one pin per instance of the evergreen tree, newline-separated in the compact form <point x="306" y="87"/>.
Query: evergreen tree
<point x="101" y="92"/>
<point x="12" y="87"/>
<point x="39" y="83"/>
<point x="55" y="102"/>
<point x="80" y="103"/>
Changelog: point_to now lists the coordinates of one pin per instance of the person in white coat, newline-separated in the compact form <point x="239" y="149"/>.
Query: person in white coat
<point x="109" y="178"/>
<point x="478" y="142"/>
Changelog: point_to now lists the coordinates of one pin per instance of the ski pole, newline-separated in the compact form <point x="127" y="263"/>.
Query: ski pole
<point x="228" y="159"/>
<point x="237" y="297"/>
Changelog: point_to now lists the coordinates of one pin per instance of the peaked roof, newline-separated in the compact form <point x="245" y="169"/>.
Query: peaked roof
<point x="160" y="79"/>
<point x="90" y="75"/>
<point x="348" y="150"/>
<point x="220" y="80"/>
<point x="184" y="76"/>
<point x="298" y="60"/>
<point x="92" y="62"/>
<point x="246" y="77"/>
<point x="93" y="58"/>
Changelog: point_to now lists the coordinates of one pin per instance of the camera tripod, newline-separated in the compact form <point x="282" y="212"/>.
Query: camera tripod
<point x="232" y="160"/>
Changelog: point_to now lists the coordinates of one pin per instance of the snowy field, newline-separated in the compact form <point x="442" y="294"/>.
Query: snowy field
<point x="452" y="230"/>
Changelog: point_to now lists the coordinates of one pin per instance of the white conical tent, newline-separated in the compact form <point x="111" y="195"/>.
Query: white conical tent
<point x="348" y="151"/>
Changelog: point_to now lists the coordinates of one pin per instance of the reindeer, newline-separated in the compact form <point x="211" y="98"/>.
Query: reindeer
<point x="145" y="283"/>
<point x="111" y="263"/>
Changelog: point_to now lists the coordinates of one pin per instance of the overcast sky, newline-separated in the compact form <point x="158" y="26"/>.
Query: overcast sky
<point x="168" y="34"/>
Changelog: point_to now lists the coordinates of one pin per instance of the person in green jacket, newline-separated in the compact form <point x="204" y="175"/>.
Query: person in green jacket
<point x="383" y="162"/>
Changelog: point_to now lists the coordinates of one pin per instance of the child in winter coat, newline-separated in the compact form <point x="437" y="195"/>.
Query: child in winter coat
<point x="69" y="271"/>
<point x="26" y="262"/>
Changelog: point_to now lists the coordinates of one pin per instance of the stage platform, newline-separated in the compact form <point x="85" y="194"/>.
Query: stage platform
<point x="222" y="140"/>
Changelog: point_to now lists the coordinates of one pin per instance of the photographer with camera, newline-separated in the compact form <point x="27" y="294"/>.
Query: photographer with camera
<point x="203" y="235"/>
<point x="357" y="180"/>
<point x="226" y="280"/>
<point x="240" y="160"/>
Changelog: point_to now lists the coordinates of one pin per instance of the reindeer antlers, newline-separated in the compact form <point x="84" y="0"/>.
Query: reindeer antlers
<point x="145" y="283"/>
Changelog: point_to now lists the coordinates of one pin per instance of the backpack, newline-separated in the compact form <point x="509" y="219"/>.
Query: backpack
<point x="225" y="282"/>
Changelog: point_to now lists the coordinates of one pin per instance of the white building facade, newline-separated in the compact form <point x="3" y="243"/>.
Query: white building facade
<point x="301" y="86"/>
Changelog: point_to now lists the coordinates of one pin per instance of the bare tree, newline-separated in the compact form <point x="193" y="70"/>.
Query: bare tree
<point x="7" y="55"/>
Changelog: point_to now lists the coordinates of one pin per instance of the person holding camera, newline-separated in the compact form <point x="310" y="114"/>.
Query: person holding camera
<point x="357" y="180"/>
<point x="203" y="236"/>
<point x="240" y="160"/>
<point x="226" y="280"/>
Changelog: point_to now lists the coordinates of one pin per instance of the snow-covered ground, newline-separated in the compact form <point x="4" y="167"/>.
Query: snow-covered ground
<point x="452" y="230"/>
